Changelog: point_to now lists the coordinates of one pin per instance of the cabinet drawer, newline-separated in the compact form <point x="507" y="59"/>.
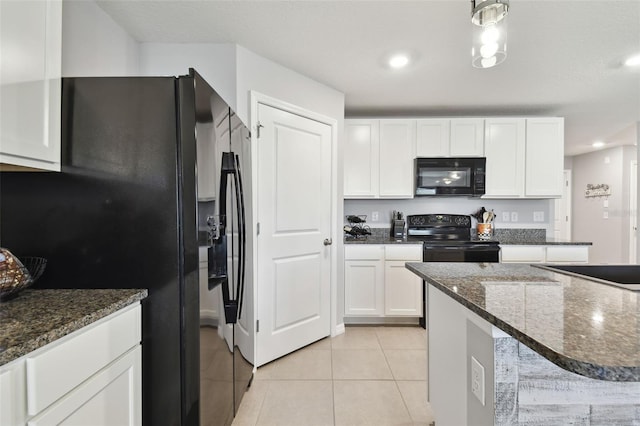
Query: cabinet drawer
<point x="403" y="252"/>
<point x="61" y="366"/>
<point x="567" y="254"/>
<point x="363" y="252"/>
<point x="522" y="253"/>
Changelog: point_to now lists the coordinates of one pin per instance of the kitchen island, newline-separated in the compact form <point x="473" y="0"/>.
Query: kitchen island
<point x="516" y="344"/>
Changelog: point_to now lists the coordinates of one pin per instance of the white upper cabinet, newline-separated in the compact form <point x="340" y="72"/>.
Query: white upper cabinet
<point x="525" y="157"/>
<point x="378" y="158"/>
<point x="30" y="83"/>
<point x="444" y="137"/>
<point x="397" y="153"/>
<point x="467" y="137"/>
<point x="504" y="147"/>
<point x="432" y="138"/>
<point x="361" y="153"/>
<point x="544" y="157"/>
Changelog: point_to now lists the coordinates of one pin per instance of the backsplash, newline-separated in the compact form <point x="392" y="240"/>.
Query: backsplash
<point x="515" y="235"/>
<point x="520" y="210"/>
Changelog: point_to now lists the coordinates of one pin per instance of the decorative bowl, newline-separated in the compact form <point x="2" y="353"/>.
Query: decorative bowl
<point x="16" y="274"/>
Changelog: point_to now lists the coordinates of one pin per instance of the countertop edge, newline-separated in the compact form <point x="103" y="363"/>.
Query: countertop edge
<point x="391" y="241"/>
<point x="583" y="368"/>
<point x="14" y="352"/>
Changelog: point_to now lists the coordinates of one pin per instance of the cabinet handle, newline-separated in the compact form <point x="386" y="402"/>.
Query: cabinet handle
<point x="327" y="241"/>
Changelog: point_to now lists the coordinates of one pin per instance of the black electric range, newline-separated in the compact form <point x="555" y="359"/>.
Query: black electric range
<point x="449" y="238"/>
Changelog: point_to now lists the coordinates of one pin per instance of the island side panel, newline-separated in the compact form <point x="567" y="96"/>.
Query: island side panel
<point x="449" y="360"/>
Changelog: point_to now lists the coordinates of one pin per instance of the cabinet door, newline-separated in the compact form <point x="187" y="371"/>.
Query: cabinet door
<point x="13" y="403"/>
<point x="432" y="137"/>
<point x="568" y="254"/>
<point x="111" y="397"/>
<point x="397" y="153"/>
<point x="522" y="254"/>
<point x="467" y="137"/>
<point x="30" y="97"/>
<point x="544" y="157"/>
<point x="364" y="288"/>
<point x="504" y="147"/>
<point x="402" y="290"/>
<point x="361" y="153"/>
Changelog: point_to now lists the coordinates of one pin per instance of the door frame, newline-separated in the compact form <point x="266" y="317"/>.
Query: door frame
<point x="564" y="204"/>
<point x="257" y="98"/>
<point x="633" y="212"/>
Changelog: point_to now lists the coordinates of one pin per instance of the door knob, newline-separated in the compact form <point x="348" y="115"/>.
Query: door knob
<point x="327" y="241"/>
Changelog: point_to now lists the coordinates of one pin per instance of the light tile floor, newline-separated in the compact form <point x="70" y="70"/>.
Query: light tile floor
<point x="366" y="376"/>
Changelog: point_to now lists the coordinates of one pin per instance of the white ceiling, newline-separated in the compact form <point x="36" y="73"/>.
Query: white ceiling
<point x="564" y="57"/>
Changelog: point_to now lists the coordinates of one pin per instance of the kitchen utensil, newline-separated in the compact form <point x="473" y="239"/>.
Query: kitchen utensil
<point x="485" y="217"/>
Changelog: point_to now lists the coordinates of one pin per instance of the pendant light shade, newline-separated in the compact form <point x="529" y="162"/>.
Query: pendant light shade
<point x="489" y="44"/>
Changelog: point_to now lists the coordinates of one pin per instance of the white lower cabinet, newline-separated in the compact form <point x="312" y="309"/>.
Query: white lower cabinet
<point x="544" y="253"/>
<point x="91" y="376"/>
<point x="364" y="280"/>
<point x="111" y="397"/>
<point x="377" y="282"/>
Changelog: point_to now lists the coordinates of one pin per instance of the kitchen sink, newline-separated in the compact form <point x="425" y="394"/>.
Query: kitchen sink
<point x="625" y="276"/>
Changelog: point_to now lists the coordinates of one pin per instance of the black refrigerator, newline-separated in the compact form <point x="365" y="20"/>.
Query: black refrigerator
<point x="125" y="212"/>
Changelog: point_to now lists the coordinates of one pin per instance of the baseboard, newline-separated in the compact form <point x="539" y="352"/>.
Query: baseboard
<point x="381" y="320"/>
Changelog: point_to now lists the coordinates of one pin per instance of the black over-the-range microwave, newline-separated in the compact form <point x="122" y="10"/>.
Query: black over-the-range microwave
<point x="451" y="176"/>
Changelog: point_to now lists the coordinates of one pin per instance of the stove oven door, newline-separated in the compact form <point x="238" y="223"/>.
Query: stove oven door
<point x="461" y="253"/>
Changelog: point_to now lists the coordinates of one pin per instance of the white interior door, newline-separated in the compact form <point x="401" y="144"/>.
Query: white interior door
<point x="633" y="213"/>
<point x="294" y="215"/>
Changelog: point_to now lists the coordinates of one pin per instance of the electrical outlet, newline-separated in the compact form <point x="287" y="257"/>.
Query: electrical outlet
<point x="606" y="203"/>
<point x="538" y="216"/>
<point x="477" y="380"/>
<point x="505" y="216"/>
<point x="374" y="216"/>
<point x="514" y="216"/>
<point x="605" y="215"/>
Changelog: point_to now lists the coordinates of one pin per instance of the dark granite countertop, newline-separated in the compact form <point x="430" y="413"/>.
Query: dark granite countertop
<point x="541" y="242"/>
<point x="585" y="327"/>
<point x="37" y="317"/>
<point x="378" y="239"/>
<point x="522" y="237"/>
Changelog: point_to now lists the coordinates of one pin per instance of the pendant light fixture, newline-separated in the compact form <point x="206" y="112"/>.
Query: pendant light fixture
<point x="489" y="46"/>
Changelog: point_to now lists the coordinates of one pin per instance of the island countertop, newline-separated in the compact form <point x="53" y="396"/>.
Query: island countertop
<point x="37" y="317"/>
<point x="585" y="327"/>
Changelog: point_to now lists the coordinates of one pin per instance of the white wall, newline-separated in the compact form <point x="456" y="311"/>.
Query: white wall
<point x="215" y="62"/>
<point x="610" y="237"/>
<point x="93" y="44"/>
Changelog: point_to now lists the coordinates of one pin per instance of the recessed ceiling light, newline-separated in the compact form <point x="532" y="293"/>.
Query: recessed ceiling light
<point x="399" y="61"/>
<point x="633" y="61"/>
<point x="598" y="144"/>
